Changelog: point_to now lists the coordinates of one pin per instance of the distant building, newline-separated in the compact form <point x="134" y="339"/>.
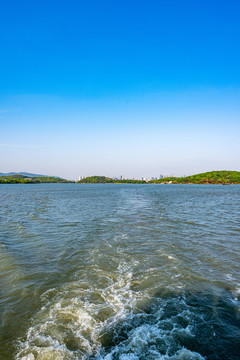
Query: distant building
<point x="160" y="176"/>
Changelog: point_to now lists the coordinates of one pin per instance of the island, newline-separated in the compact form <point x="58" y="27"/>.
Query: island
<point x="223" y="177"/>
<point x="23" y="179"/>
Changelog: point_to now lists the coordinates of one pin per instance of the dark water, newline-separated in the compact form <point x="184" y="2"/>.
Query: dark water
<point x="126" y="272"/>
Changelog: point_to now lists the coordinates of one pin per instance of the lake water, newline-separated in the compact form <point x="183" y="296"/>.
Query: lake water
<point x="128" y="272"/>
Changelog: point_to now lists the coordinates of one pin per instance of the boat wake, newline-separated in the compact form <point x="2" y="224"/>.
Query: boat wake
<point x="111" y="321"/>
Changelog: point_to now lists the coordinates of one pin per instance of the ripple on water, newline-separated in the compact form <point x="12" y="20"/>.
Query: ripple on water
<point x="85" y="321"/>
<point x="120" y="272"/>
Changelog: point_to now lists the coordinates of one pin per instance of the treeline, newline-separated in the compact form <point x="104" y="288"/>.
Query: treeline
<point x="20" y="179"/>
<point x="107" y="180"/>
<point x="214" y="177"/>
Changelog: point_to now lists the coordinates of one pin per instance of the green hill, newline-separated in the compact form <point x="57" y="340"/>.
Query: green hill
<point x="213" y="177"/>
<point x="105" y="180"/>
<point x="21" y="179"/>
<point x="96" y="180"/>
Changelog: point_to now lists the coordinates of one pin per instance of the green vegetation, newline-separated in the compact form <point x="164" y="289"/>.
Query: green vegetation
<point x="105" y="180"/>
<point x="214" y="177"/>
<point x="21" y="179"/>
<point x="96" y="180"/>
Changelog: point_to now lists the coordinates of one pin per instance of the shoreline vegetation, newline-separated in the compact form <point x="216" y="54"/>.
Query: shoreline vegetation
<point x="22" y="179"/>
<point x="214" y="177"/>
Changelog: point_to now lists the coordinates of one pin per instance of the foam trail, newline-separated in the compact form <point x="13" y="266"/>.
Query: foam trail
<point x="88" y="322"/>
<point x="72" y="323"/>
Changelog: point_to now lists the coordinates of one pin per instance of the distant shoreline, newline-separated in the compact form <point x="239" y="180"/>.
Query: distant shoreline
<point x="116" y="183"/>
<point x="223" y="177"/>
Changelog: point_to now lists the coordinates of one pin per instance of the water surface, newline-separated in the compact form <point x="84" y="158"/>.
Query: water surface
<point x="126" y="272"/>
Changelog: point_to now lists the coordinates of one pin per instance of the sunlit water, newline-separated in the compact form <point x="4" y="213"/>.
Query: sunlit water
<point x="128" y="272"/>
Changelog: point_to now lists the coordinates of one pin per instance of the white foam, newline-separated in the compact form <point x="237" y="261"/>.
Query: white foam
<point x="185" y="354"/>
<point x="229" y="276"/>
<point x="74" y="319"/>
<point x="70" y="313"/>
<point x="145" y="339"/>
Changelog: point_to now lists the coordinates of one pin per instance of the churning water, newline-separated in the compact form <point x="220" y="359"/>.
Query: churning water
<point x="128" y="272"/>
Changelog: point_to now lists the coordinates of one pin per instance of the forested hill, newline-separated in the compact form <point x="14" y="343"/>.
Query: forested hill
<point x="21" y="179"/>
<point x="106" y="180"/>
<point x="213" y="177"/>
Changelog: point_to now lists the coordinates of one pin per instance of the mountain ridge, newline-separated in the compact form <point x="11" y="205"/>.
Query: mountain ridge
<point x="26" y="174"/>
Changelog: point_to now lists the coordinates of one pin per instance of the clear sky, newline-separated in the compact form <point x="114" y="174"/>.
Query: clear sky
<point x="131" y="87"/>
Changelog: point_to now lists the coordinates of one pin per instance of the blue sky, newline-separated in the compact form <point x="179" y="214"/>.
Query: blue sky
<point x="138" y="88"/>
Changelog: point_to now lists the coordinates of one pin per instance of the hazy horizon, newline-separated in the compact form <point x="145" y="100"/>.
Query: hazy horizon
<point x="131" y="89"/>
